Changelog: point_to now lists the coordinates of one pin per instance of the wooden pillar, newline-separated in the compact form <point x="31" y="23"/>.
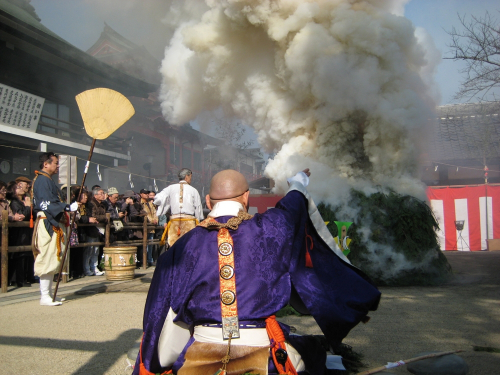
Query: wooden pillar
<point x="145" y="243"/>
<point x="108" y="229"/>
<point x="5" y="250"/>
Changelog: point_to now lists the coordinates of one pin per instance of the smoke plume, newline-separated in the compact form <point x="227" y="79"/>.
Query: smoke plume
<point x="339" y="86"/>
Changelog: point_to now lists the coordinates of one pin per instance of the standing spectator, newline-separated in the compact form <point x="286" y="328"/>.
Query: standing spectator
<point x="4" y="204"/>
<point x="24" y="184"/>
<point x="117" y="215"/>
<point x="152" y="195"/>
<point x="83" y="217"/>
<point x="184" y="203"/>
<point x="133" y="213"/>
<point x="19" y="236"/>
<point x="113" y="207"/>
<point x="20" y="204"/>
<point x="94" y="234"/>
<point x="150" y="209"/>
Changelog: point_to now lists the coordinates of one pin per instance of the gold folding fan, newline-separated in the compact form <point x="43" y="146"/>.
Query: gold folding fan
<point x="103" y="111"/>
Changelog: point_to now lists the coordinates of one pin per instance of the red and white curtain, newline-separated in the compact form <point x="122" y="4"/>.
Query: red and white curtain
<point x="477" y="206"/>
<point x="259" y="203"/>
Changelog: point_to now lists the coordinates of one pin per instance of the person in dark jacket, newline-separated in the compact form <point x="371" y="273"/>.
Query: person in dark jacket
<point x="132" y="208"/>
<point x="5" y="206"/>
<point x="94" y="234"/>
<point x="114" y="209"/>
<point x="82" y="217"/>
<point x="134" y="213"/>
<point x="19" y="236"/>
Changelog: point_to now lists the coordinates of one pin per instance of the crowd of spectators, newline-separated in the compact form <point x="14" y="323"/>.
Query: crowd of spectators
<point x="93" y="205"/>
<point x="15" y="198"/>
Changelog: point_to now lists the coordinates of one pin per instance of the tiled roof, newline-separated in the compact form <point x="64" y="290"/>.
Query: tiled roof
<point x="27" y="17"/>
<point x="466" y="132"/>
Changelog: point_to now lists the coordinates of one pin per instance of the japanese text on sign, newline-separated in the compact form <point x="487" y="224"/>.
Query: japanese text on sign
<point x="19" y="109"/>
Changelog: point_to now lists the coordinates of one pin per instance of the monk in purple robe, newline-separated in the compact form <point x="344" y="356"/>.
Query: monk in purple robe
<point x="211" y="304"/>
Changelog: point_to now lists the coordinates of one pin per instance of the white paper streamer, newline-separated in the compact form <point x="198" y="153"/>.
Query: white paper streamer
<point x="99" y="176"/>
<point x="130" y="181"/>
<point x="87" y="166"/>
<point x="154" y="185"/>
<point x="394" y="364"/>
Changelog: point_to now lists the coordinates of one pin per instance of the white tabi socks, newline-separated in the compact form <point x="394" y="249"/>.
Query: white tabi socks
<point x="45" y="290"/>
<point x="52" y="294"/>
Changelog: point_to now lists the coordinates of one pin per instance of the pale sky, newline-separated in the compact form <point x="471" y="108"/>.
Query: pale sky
<point x="80" y="22"/>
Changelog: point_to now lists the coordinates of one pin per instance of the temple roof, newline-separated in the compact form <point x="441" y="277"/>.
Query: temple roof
<point x="466" y="133"/>
<point x="23" y="31"/>
<point x="116" y="50"/>
<point x="25" y="12"/>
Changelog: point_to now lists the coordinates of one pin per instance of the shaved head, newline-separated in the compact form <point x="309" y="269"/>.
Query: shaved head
<point x="227" y="184"/>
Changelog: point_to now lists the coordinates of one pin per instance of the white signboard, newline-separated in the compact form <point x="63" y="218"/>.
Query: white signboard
<point x="19" y="109"/>
<point x="67" y="164"/>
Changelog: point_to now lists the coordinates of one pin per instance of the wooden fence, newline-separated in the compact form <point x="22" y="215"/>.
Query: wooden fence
<point x="24" y="224"/>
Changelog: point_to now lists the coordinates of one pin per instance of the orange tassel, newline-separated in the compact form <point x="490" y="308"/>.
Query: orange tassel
<point x="309" y="263"/>
<point x="143" y="370"/>
<point x="31" y="218"/>
<point x="275" y="333"/>
<point x="60" y="238"/>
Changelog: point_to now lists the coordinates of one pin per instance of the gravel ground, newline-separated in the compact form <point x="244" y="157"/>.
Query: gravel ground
<point x="92" y="332"/>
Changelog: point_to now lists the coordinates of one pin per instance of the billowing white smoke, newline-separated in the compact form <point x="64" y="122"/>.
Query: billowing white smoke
<point x="333" y="85"/>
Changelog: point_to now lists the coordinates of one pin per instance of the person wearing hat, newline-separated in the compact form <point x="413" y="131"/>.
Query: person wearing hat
<point x="113" y="207"/>
<point x="184" y="203"/>
<point x="117" y="215"/>
<point x="24" y="183"/>
<point x="150" y="210"/>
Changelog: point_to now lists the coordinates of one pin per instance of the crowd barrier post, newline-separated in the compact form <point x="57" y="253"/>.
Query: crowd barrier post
<point x="108" y="229"/>
<point x="5" y="250"/>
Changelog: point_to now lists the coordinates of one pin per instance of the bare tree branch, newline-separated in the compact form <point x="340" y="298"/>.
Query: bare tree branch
<point x="477" y="43"/>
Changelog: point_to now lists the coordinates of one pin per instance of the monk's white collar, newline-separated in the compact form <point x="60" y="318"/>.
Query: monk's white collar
<point x="226" y="208"/>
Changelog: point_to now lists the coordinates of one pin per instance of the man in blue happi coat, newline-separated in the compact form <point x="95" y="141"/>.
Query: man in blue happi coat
<point x="51" y="227"/>
<point x="212" y="300"/>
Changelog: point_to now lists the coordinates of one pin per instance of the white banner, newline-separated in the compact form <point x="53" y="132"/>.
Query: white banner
<point x="19" y="109"/>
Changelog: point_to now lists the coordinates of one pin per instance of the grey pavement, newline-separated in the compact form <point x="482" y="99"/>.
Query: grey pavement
<point x="81" y="286"/>
<point x="101" y="321"/>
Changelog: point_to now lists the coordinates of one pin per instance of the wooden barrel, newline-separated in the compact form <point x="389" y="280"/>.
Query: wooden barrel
<point x="119" y="262"/>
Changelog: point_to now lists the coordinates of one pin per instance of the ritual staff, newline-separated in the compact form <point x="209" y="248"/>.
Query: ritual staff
<point x="213" y="296"/>
<point x="51" y="227"/>
<point x="184" y="203"/>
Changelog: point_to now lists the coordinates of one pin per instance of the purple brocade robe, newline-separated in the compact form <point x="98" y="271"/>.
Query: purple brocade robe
<point x="269" y="252"/>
